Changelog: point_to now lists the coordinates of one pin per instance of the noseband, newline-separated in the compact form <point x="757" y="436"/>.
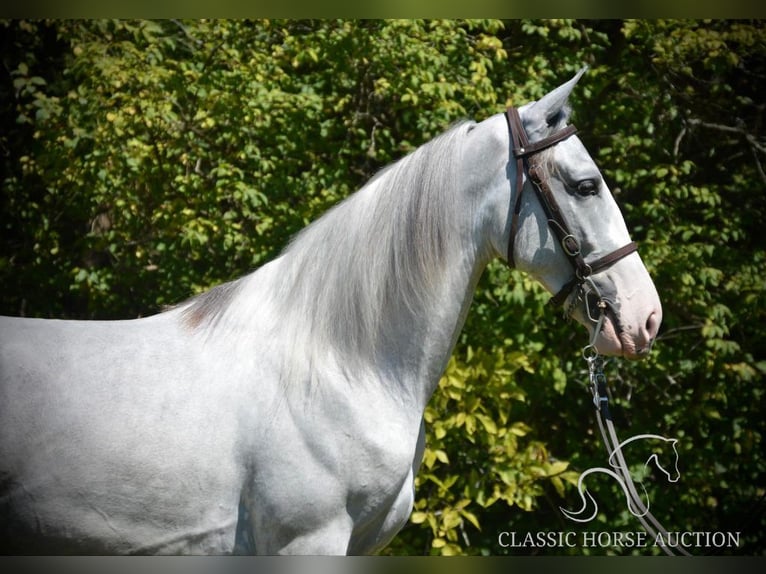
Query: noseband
<point x="528" y="161"/>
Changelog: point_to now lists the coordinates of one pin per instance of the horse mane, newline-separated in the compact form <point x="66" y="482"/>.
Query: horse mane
<point x="378" y="254"/>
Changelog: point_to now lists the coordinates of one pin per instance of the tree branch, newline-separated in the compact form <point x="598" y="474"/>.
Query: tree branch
<point x="755" y="145"/>
<point x="751" y="139"/>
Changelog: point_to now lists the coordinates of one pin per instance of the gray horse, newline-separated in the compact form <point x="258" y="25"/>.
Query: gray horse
<point x="282" y="412"/>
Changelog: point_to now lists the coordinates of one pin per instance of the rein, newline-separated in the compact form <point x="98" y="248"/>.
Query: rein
<point x="598" y="388"/>
<point x="528" y="161"/>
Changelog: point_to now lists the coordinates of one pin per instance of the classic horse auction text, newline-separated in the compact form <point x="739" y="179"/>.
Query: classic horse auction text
<point x="639" y="539"/>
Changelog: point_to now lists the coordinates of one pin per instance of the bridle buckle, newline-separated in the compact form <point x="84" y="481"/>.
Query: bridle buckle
<point x="570" y="245"/>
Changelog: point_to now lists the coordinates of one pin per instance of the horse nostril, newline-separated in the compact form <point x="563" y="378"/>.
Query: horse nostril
<point x="653" y="325"/>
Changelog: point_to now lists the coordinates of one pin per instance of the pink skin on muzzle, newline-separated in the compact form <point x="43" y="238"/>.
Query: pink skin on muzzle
<point x="631" y="340"/>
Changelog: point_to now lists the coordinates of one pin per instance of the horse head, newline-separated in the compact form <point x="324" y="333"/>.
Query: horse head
<point x="563" y="227"/>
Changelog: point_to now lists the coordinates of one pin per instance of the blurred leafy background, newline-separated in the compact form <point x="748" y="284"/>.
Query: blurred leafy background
<point x="146" y="161"/>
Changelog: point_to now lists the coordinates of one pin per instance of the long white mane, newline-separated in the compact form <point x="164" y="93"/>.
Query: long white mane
<point x="373" y="259"/>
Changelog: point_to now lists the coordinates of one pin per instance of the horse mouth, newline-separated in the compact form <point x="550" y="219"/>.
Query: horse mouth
<point x="615" y="341"/>
<point x="614" y="338"/>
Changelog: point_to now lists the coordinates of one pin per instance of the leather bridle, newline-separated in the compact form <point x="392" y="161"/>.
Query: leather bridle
<point x="528" y="161"/>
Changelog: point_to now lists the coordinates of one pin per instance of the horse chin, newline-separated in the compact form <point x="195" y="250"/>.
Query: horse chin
<point x="618" y="343"/>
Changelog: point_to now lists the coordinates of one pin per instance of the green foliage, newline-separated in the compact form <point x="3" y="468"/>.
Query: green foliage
<point x="478" y="454"/>
<point x="146" y="161"/>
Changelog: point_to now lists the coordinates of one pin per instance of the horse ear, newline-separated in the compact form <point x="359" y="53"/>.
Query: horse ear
<point x="551" y="111"/>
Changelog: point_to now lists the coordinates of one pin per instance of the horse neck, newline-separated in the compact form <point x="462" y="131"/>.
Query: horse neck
<point x="414" y="337"/>
<point x="434" y="332"/>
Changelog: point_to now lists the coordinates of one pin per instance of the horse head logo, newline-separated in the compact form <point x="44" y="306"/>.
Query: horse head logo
<point x="620" y="473"/>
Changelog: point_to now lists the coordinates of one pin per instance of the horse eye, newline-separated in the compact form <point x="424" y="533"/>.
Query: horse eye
<point x="587" y="187"/>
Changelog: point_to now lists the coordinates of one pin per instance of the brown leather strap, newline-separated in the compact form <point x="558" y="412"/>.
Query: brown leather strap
<point x="613" y="257"/>
<point x="556" y="221"/>
<point x="523" y="149"/>
<point x="540" y="145"/>
<point x="593" y="267"/>
<point x="519" y="142"/>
